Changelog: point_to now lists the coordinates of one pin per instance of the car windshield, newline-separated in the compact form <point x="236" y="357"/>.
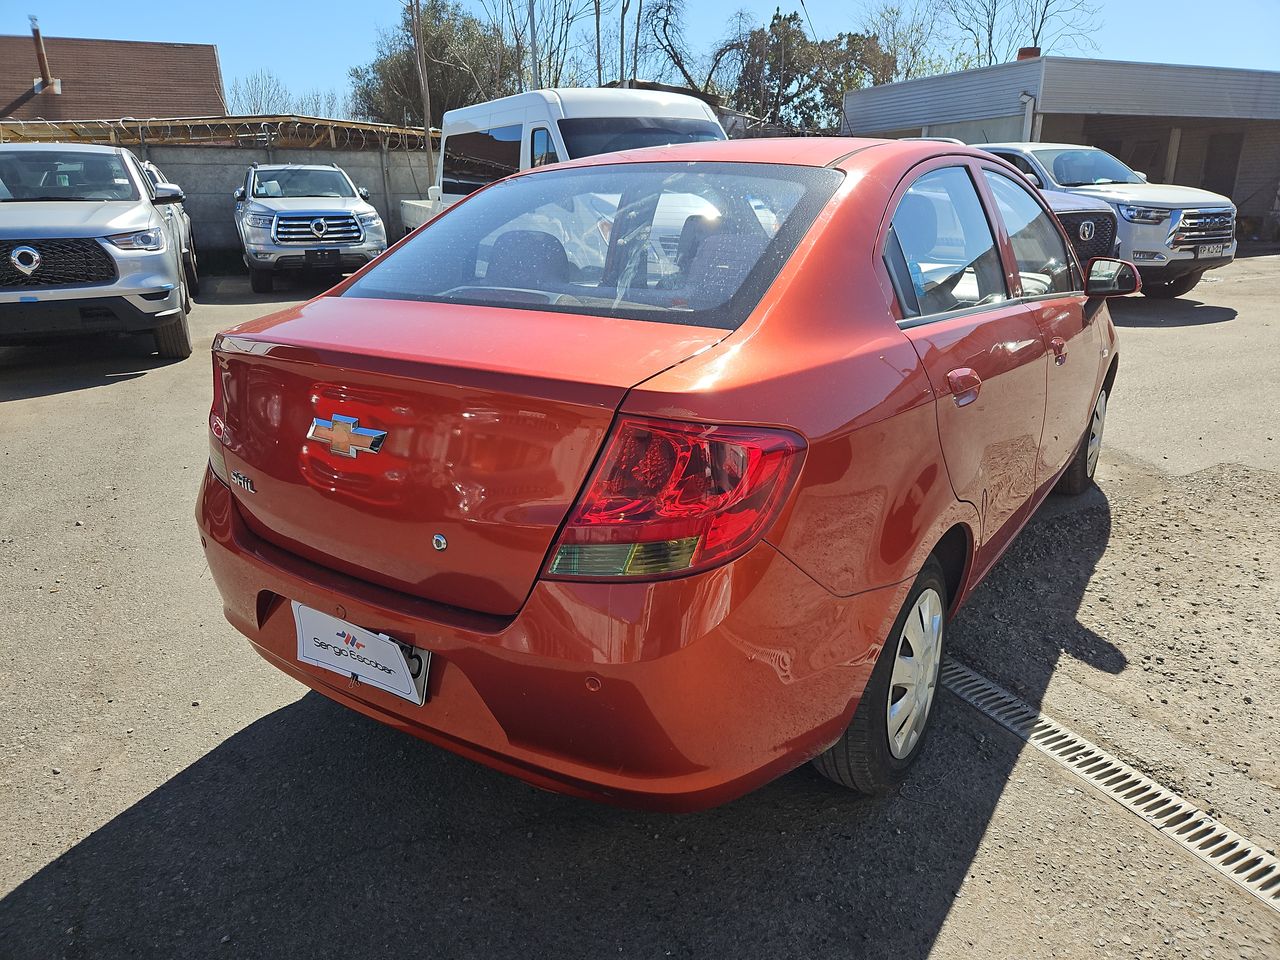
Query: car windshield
<point x="29" y="175"/>
<point x="292" y="182"/>
<point x="694" y="243"/>
<point x="589" y="136"/>
<point x="1079" y="167"/>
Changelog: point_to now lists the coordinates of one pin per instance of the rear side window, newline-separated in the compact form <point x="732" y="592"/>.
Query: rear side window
<point x="941" y="252"/>
<point x="694" y="243"/>
<point x="1037" y="245"/>
<point x="472" y="160"/>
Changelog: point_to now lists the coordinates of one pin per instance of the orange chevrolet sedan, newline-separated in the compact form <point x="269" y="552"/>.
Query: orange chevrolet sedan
<point x="649" y="477"/>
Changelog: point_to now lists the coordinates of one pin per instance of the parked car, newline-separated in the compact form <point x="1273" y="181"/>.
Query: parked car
<point x="295" y="217"/>
<point x="657" y="540"/>
<point x="487" y="141"/>
<point x="85" y="247"/>
<point x="1090" y="223"/>
<point x="177" y="212"/>
<point x="1173" y="234"/>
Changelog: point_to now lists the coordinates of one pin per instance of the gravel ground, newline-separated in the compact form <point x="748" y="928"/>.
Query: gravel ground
<point x="165" y="793"/>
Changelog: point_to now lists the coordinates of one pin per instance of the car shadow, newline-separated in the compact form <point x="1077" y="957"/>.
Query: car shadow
<point x="65" y="365"/>
<point x="316" y="832"/>
<point x="1180" y="312"/>
<point x="234" y="290"/>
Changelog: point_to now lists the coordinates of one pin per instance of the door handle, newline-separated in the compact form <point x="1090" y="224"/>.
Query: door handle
<point x="965" y="384"/>
<point x="1059" y="350"/>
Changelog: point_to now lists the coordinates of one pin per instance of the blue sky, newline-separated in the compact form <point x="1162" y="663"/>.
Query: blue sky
<point x="311" y="44"/>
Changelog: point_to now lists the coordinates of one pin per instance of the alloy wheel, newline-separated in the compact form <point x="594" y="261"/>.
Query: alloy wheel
<point x="915" y="673"/>
<point x="1096" y="423"/>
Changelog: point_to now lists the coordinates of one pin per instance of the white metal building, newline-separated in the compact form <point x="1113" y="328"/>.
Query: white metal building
<point x="1210" y="127"/>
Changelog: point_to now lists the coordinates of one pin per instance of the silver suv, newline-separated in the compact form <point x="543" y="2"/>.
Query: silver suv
<point x="304" y="217"/>
<point x="85" y="247"/>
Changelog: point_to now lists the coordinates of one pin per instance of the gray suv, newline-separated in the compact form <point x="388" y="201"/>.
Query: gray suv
<point x="85" y="247"/>
<point x="304" y="217"/>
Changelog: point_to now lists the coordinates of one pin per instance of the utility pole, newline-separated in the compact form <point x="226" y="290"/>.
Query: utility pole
<point x="533" y="48"/>
<point x="420" y="56"/>
<point x="599" y="53"/>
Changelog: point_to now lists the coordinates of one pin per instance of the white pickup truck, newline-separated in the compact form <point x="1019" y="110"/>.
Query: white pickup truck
<point x="1172" y="234"/>
<point x="488" y="141"/>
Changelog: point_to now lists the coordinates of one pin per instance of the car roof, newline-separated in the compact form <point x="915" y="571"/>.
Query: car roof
<point x="69" y="147"/>
<point x="297" y="166"/>
<point x="1015" y="145"/>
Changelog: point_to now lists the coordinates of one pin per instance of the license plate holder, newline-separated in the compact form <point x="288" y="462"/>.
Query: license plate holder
<point x="323" y="259"/>
<point x="361" y="655"/>
<point x="1207" y="250"/>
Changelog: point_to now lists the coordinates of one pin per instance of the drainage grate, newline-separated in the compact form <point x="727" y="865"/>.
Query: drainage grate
<point x="1232" y="855"/>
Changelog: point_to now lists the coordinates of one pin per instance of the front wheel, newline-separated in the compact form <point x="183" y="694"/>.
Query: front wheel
<point x="888" y="728"/>
<point x="262" y="281"/>
<point x="173" y="340"/>
<point x="1174" y="288"/>
<point x="1079" y="475"/>
<point x="191" y="270"/>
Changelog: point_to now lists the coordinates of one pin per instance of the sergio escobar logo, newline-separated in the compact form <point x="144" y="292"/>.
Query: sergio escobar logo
<point x="341" y="651"/>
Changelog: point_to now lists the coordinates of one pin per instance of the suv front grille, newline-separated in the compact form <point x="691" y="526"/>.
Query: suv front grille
<point x="1104" y="234"/>
<point x="338" y="228"/>
<point x="1204" y="226"/>
<point x="63" y="263"/>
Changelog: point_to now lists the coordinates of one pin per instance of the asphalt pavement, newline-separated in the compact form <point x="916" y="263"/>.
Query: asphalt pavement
<point x="165" y="793"/>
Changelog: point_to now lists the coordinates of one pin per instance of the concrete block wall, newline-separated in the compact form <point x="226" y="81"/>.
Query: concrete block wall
<point x="210" y="175"/>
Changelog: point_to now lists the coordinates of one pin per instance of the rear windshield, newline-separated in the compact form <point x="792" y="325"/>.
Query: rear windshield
<point x="694" y="243"/>
<point x="64" y="175"/>
<point x="589" y="136"/>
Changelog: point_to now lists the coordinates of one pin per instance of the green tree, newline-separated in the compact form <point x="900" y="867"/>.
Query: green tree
<point x="791" y="80"/>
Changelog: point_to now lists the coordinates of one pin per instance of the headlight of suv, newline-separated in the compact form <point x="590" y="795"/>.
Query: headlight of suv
<point x="370" y="219"/>
<point x="1136" y="214"/>
<point x="151" y="239"/>
<point x="262" y="221"/>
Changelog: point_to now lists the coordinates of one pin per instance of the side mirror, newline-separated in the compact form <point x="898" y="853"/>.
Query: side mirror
<point x="364" y="193"/>
<point x="167" y="193"/>
<point x="1035" y="181"/>
<point x="1141" y="176"/>
<point x="433" y="193"/>
<point x="1111" y="278"/>
<point x="239" y="194"/>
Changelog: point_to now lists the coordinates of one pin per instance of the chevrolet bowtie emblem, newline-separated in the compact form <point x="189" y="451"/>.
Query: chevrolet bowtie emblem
<point x="345" y="436"/>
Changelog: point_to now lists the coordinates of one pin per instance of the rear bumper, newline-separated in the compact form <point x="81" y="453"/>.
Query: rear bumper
<point x="676" y="695"/>
<point x="33" y="318"/>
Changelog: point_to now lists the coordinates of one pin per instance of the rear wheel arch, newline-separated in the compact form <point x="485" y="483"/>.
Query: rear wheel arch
<point x="1111" y="374"/>
<point x="954" y="552"/>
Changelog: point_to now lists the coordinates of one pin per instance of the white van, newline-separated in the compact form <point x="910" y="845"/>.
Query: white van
<point x="488" y="141"/>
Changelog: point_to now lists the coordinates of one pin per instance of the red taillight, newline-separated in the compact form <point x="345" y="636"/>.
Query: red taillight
<point x="672" y="498"/>
<point x="217" y="425"/>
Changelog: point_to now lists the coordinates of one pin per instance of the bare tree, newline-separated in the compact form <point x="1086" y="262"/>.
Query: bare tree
<point x="1056" y="24"/>
<point x="985" y="28"/>
<point x="322" y="103"/>
<point x="911" y="36"/>
<point x="261" y="92"/>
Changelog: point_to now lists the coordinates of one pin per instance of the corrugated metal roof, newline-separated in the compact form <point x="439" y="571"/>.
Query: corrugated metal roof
<point x="111" y="78"/>
<point x="1072" y="85"/>
<point x="1079" y="85"/>
<point x="967" y="95"/>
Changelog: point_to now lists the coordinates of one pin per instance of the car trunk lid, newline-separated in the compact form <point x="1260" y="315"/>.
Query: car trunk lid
<point x="430" y="448"/>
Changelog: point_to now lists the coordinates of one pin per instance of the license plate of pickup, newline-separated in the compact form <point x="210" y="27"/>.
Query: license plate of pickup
<point x="361" y="655"/>
<point x="1211" y="250"/>
<point x="323" y="258"/>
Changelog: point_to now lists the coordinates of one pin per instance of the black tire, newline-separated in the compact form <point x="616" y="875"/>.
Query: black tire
<point x="1174" y="288"/>
<point x="191" y="270"/>
<point x="1079" y="473"/>
<point x="262" y="281"/>
<point x="862" y="759"/>
<point x="173" y="340"/>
